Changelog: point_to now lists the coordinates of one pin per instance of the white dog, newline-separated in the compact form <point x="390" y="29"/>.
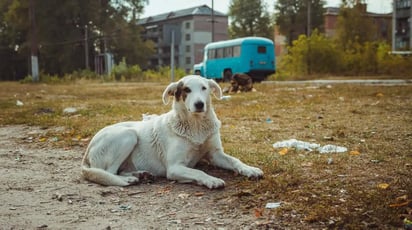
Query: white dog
<point x="166" y="145"/>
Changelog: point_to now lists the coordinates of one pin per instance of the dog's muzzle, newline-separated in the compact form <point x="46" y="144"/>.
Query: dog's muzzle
<point x="200" y="107"/>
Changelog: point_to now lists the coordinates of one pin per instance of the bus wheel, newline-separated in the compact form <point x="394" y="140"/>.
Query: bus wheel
<point x="227" y="75"/>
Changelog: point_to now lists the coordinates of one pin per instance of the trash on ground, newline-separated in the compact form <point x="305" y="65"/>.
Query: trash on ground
<point x="273" y="205"/>
<point x="332" y="149"/>
<point x="19" y="103"/>
<point x="299" y="145"/>
<point x="226" y="97"/>
<point x="302" y="145"/>
<point x="69" y="110"/>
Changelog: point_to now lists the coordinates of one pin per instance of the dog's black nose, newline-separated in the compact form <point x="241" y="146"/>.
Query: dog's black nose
<point x="199" y="105"/>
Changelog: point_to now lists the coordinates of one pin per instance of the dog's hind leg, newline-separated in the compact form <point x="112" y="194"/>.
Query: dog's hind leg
<point x="107" y="153"/>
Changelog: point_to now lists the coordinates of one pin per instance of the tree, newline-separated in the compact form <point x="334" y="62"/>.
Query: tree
<point x="249" y="18"/>
<point x="62" y="27"/>
<point x="292" y="17"/>
<point x="353" y="26"/>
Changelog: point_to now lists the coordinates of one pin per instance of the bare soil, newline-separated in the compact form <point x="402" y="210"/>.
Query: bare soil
<point x="41" y="188"/>
<point x="368" y="187"/>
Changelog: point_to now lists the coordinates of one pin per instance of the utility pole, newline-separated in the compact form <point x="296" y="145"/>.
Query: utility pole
<point x="172" y="57"/>
<point x="309" y="18"/>
<point x="34" y="45"/>
<point x="213" y="22"/>
<point x="86" y="48"/>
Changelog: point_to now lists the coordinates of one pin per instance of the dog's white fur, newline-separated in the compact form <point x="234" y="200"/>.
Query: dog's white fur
<point x="168" y="145"/>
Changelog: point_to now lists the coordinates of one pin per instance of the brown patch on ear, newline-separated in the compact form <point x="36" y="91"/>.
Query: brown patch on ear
<point x="179" y="91"/>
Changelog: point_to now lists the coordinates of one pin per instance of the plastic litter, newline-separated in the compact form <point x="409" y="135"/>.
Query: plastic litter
<point x="299" y="145"/>
<point x="226" y="97"/>
<point x="273" y="205"/>
<point x="308" y="146"/>
<point x="69" y="110"/>
<point x="19" y="103"/>
<point x="332" y="149"/>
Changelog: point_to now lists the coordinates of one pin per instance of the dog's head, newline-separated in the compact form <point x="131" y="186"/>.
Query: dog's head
<point x="193" y="92"/>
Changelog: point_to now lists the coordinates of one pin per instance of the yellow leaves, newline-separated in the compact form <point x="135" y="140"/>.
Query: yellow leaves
<point x="383" y="186"/>
<point x="283" y="151"/>
<point x="379" y="95"/>
<point x="354" y="153"/>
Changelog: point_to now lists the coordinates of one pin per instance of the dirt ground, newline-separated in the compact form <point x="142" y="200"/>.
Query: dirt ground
<point x="368" y="187"/>
<point x="41" y="188"/>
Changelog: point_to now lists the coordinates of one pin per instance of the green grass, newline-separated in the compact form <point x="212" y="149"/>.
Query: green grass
<point x="374" y="120"/>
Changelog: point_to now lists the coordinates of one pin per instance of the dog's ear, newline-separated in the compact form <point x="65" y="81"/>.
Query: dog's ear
<point x="169" y="91"/>
<point x="217" y="91"/>
<point x="173" y="89"/>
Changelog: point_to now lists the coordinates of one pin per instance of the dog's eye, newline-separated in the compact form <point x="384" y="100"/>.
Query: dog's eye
<point x="187" y="90"/>
<point x="204" y="88"/>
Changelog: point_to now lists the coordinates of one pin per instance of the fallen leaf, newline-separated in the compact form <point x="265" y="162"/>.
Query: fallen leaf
<point x="354" y="153"/>
<point x="379" y="95"/>
<point x="283" y="151"/>
<point x="259" y="212"/>
<point x="164" y="190"/>
<point x="406" y="203"/>
<point x="199" y="193"/>
<point x="183" y="195"/>
<point x="383" y="186"/>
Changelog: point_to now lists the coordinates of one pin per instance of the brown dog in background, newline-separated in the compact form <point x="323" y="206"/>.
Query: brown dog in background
<point x="240" y="82"/>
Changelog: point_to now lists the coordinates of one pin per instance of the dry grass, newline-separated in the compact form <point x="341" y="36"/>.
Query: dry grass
<point x="376" y="121"/>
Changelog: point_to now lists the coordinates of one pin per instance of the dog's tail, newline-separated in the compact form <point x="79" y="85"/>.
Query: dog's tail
<point x="100" y="176"/>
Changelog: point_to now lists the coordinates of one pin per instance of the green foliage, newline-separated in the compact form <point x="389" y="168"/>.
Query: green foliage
<point x="318" y="54"/>
<point x="291" y="17"/>
<point x="61" y="28"/>
<point x="353" y="28"/>
<point x="321" y="55"/>
<point x="249" y="18"/>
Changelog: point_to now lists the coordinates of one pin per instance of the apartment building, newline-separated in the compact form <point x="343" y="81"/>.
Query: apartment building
<point x="402" y="22"/>
<point x="381" y="21"/>
<point x="190" y="29"/>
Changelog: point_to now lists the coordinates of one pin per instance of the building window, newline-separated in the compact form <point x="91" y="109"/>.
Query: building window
<point x="187" y="49"/>
<point x="187" y="25"/>
<point x="187" y="37"/>
<point x="188" y="60"/>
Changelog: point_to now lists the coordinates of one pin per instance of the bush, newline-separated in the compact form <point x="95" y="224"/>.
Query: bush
<point x="318" y="54"/>
<point x="321" y="55"/>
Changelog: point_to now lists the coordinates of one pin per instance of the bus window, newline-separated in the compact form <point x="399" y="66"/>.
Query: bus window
<point x="211" y="54"/>
<point x="236" y="51"/>
<point x="219" y="53"/>
<point x="228" y="52"/>
<point x="261" y="49"/>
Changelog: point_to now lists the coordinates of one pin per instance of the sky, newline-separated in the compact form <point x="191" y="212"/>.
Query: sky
<point x="163" y="6"/>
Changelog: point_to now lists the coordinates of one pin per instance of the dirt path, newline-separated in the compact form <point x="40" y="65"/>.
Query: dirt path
<point x="41" y="188"/>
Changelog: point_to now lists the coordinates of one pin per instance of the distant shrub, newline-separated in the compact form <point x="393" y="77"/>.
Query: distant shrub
<point x="319" y="55"/>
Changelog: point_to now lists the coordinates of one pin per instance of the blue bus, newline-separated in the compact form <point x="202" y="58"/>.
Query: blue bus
<point x="253" y="56"/>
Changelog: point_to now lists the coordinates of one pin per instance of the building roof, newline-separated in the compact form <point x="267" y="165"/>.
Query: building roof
<point x="197" y="10"/>
<point x="335" y="11"/>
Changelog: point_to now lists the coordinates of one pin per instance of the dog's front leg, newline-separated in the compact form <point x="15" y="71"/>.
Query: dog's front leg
<point x="220" y="159"/>
<point x="185" y="174"/>
<point x="225" y="161"/>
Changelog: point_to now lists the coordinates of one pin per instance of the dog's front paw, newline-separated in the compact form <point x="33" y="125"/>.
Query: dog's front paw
<point x="250" y="171"/>
<point x="213" y="182"/>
